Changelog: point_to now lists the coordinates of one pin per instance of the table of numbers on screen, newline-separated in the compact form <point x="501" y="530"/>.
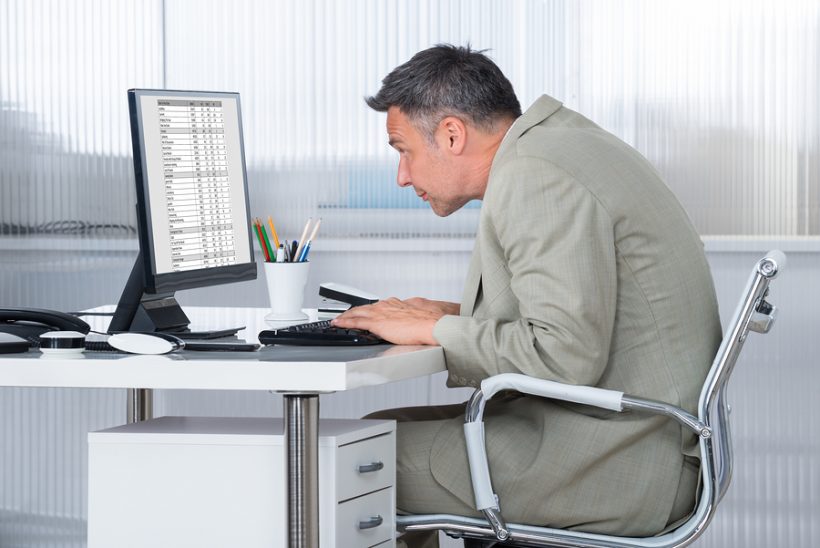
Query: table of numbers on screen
<point x="197" y="186"/>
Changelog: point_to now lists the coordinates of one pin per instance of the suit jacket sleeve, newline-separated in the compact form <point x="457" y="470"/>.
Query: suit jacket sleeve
<point x="556" y="241"/>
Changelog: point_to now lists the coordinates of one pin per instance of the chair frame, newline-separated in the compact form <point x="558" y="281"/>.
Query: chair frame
<point x="753" y="313"/>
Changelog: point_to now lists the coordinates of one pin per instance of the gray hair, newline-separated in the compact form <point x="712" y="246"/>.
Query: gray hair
<point x="448" y="80"/>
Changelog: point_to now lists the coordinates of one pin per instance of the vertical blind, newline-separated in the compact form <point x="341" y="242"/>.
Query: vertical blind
<point x="64" y="137"/>
<point x="721" y="97"/>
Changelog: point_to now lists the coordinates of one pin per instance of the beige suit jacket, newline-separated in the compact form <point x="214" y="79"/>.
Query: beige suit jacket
<point x="585" y="270"/>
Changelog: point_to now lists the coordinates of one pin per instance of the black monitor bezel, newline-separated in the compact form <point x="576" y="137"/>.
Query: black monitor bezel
<point x="174" y="281"/>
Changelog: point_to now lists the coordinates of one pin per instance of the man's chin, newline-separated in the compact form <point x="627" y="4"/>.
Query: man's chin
<point x="443" y="211"/>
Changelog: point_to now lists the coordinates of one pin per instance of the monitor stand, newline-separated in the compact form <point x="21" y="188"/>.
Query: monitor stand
<point x="145" y="312"/>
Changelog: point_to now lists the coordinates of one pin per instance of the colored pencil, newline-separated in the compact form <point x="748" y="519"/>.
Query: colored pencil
<point x="261" y="240"/>
<point x="302" y="241"/>
<point x="273" y="232"/>
<point x="271" y="252"/>
<point x="259" y="237"/>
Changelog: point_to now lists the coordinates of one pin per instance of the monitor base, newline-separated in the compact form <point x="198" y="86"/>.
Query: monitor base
<point x="143" y="312"/>
<point x="205" y="335"/>
<point x="146" y="312"/>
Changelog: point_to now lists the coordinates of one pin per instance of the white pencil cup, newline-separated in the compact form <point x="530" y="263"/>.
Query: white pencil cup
<point x="286" y="289"/>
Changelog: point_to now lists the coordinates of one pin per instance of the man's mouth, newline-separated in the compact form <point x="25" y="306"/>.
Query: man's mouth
<point x="423" y="196"/>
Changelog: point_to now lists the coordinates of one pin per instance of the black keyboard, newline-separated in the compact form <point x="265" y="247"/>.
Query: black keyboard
<point x="319" y="333"/>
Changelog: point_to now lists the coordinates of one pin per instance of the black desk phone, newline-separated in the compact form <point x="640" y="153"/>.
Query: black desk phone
<point x="30" y="323"/>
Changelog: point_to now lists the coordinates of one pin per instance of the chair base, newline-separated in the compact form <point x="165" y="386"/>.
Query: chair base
<point x="476" y="543"/>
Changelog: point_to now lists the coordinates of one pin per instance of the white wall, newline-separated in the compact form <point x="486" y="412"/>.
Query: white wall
<point x="720" y="96"/>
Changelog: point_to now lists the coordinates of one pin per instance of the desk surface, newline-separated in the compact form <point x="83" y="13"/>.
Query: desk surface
<point x="282" y="368"/>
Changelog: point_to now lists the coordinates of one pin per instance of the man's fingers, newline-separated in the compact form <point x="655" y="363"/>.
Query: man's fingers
<point x="354" y="323"/>
<point x="352" y="319"/>
<point x="346" y="319"/>
<point x="357" y="311"/>
<point x="376" y="317"/>
<point x="355" y="317"/>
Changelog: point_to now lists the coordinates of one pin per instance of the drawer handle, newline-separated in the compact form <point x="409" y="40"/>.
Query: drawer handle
<point x="372" y="467"/>
<point x="374" y="521"/>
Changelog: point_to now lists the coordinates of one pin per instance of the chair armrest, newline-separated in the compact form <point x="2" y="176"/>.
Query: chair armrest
<point x="613" y="400"/>
<point x="589" y="395"/>
<point x="474" y="426"/>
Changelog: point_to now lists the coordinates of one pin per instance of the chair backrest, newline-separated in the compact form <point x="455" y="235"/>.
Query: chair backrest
<point x="753" y="313"/>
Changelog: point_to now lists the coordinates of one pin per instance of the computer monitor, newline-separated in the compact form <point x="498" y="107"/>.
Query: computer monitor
<point x="193" y="216"/>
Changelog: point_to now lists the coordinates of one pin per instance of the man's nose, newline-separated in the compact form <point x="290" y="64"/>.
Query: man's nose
<point x="403" y="175"/>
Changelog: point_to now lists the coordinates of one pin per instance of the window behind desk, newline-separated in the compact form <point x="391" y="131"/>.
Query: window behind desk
<point x="721" y="97"/>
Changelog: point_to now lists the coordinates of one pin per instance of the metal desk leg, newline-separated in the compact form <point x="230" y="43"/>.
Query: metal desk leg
<point x="302" y="458"/>
<point x="140" y="405"/>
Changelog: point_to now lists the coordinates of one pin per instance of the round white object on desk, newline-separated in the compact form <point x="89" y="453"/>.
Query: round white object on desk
<point x="62" y="342"/>
<point x="143" y="343"/>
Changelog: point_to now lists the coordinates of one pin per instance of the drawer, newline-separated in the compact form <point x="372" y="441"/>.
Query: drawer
<point x="366" y="521"/>
<point x="366" y="466"/>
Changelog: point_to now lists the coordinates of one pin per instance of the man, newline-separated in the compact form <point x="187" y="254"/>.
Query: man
<point x="586" y="270"/>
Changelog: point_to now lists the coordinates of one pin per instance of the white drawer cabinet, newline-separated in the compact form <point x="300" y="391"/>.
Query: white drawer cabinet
<point x="360" y="522"/>
<point x="363" y="466"/>
<point x="203" y="482"/>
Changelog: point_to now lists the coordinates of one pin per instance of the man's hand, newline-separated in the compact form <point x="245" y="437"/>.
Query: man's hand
<point x="397" y="321"/>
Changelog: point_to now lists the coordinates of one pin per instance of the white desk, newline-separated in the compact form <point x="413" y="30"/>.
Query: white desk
<point x="300" y="373"/>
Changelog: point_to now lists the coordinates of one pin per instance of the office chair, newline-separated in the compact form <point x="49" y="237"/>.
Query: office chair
<point x="711" y="425"/>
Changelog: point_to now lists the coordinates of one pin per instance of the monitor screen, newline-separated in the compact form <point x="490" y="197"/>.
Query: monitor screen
<point x="193" y="182"/>
<point x="192" y="194"/>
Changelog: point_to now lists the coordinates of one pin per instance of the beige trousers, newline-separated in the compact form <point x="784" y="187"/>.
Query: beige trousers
<point x="418" y="492"/>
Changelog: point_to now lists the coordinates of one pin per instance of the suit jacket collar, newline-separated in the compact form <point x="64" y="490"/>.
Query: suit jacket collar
<point x="542" y="109"/>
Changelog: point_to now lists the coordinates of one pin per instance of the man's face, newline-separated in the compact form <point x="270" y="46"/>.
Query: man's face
<point x="425" y="166"/>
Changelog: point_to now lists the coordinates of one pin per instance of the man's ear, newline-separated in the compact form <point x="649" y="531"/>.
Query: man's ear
<point x="452" y="135"/>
